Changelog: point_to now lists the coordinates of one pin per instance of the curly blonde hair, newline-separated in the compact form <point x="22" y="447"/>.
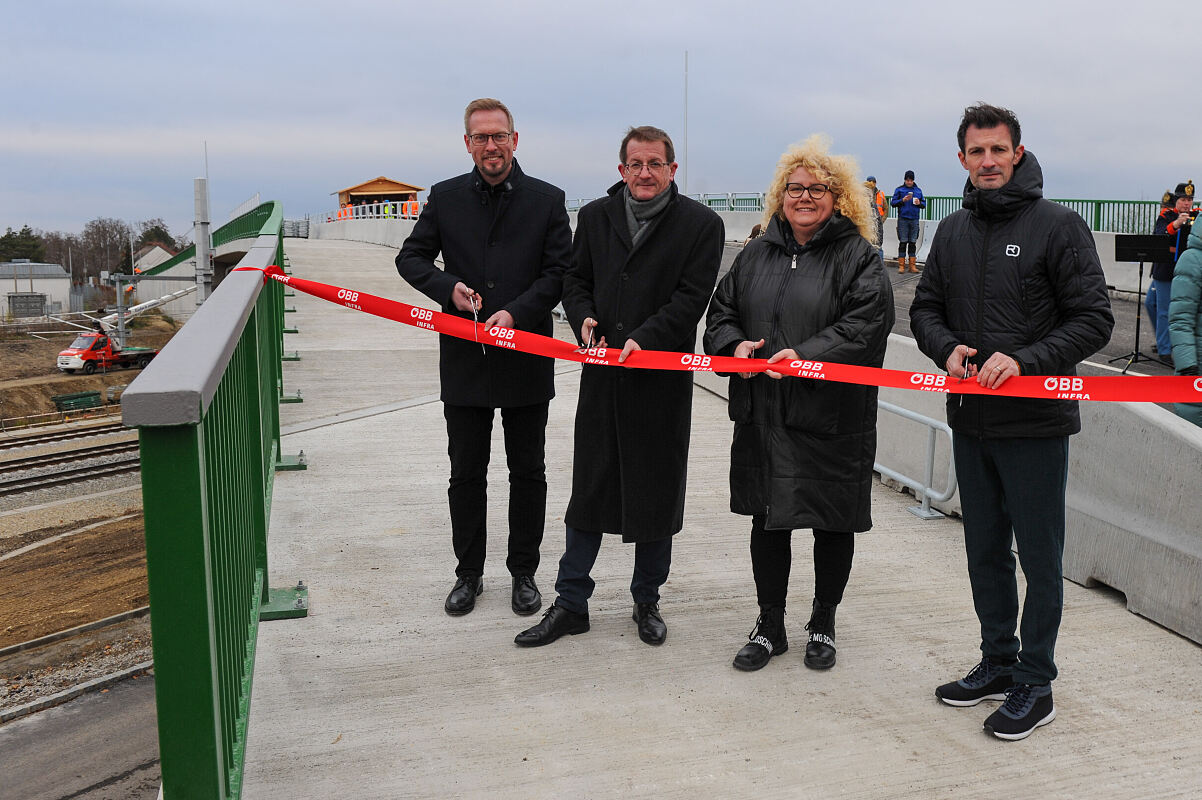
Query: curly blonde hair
<point x="838" y="172"/>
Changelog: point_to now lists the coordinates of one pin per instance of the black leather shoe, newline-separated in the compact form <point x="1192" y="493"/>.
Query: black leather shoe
<point x="558" y="621"/>
<point x="652" y="629"/>
<point x="526" y="598"/>
<point x="462" y="598"/>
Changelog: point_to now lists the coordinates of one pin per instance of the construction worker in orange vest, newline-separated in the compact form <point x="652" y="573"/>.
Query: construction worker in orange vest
<point x="880" y="204"/>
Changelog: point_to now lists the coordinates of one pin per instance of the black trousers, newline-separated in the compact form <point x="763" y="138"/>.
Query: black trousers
<point x="772" y="556"/>
<point x="469" y="444"/>
<point x="1012" y="492"/>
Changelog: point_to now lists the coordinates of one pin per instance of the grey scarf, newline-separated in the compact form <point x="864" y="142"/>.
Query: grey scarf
<point x="640" y="214"/>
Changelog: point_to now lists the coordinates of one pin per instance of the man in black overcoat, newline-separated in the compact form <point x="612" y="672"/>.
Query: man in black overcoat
<point x="644" y="263"/>
<point x="505" y="243"/>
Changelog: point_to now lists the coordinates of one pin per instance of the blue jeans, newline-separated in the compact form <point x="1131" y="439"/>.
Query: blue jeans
<point x="1012" y="490"/>
<point x="652" y="560"/>
<point x="907" y="235"/>
<point x="1156" y="301"/>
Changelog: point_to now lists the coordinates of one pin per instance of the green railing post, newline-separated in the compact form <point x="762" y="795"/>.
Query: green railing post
<point x="183" y="625"/>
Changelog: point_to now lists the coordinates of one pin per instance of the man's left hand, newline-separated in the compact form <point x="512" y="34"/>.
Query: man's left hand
<point x="631" y="346"/>
<point x="997" y="369"/>
<point x="501" y="319"/>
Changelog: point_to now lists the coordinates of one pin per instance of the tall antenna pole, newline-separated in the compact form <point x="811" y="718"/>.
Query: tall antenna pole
<point x="686" y="121"/>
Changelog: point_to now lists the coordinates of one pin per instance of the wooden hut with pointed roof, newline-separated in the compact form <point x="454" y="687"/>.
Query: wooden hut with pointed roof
<point x="378" y="190"/>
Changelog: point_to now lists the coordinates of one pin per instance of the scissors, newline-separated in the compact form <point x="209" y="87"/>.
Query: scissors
<point x="476" y="319"/>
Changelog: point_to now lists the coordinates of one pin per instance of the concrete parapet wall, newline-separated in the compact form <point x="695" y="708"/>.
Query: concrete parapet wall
<point x="387" y="232"/>
<point x="1134" y="511"/>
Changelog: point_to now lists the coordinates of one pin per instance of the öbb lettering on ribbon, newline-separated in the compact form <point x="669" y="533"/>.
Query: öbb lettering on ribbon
<point x="926" y="382"/>
<point x="1112" y="388"/>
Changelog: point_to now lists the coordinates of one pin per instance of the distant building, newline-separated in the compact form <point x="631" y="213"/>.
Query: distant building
<point x="33" y="290"/>
<point x="378" y="190"/>
<point x="151" y="255"/>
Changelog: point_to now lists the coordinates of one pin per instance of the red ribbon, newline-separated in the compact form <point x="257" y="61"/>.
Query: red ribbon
<point x="1125" y="388"/>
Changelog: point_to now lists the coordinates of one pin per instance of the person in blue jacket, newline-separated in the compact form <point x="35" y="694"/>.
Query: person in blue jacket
<point x="908" y="201"/>
<point x="1175" y="220"/>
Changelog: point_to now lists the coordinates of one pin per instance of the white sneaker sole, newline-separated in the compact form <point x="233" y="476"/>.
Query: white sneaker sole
<point x="968" y="703"/>
<point x="1014" y="737"/>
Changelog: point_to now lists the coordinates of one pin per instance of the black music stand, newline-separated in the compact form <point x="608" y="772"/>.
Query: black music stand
<point x="1154" y="247"/>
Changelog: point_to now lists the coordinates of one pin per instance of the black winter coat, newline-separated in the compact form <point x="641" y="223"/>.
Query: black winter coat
<point x="1163" y="270"/>
<point x="632" y="425"/>
<point x="803" y="448"/>
<point x="512" y="246"/>
<point x="1014" y="273"/>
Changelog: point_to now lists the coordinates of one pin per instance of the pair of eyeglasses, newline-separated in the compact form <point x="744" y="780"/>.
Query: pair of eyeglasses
<point x="482" y="138"/>
<point x="637" y="166"/>
<point x="796" y="190"/>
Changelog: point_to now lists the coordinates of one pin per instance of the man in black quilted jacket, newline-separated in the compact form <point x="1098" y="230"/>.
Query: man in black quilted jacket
<point x="1013" y="286"/>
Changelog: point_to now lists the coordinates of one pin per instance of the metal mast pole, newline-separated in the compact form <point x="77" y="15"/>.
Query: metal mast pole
<point x="686" y="121"/>
<point x="200" y="234"/>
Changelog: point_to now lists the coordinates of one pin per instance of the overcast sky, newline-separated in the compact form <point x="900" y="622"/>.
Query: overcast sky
<point x="108" y="105"/>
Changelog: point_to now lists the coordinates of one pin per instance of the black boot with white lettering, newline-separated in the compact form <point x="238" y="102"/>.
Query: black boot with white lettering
<point x="820" y="650"/>
<point x="767" y="639"/>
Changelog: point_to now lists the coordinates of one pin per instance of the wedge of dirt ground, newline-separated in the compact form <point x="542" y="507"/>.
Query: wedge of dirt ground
<point x="78" y="579"/>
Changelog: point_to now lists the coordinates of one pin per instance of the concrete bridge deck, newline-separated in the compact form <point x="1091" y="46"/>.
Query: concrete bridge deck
<point x="379" y="694"/>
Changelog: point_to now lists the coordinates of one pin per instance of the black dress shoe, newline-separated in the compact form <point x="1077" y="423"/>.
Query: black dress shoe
<point x="462" y="598"/>
<point x="652" y="629"/>
<point x="558" y="621"/>
<point x="526" y="598"/>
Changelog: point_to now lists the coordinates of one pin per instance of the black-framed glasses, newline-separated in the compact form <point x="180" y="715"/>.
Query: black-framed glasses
<point x="482" y="138"/>
<point x="796" y="190"/>
<point x="637" y="166"/>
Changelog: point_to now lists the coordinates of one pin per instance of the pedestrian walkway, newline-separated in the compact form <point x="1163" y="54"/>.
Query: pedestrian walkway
<point x="379" y="694"/>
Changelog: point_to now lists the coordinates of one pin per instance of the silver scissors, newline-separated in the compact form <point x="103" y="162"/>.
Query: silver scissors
<point x="476" y="329"/>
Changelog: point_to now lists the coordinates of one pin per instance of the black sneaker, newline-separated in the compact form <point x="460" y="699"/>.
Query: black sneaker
<point x="1027" y="707"/>
<point x="767" y="639"/>
<point x="988" y="680"/>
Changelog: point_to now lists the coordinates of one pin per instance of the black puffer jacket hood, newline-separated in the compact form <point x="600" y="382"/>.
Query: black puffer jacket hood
<point x="1023" y="188"/>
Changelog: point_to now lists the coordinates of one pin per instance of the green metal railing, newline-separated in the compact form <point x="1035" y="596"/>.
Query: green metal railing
<point x="207" y="412"/>
<point x="1111" y="216"/>
<point x="245" y="226"/>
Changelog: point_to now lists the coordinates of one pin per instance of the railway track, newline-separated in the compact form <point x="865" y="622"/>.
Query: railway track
<point x="79" y="454"/>
<point x="124" y="463"/>
<point x="50" y="437"/>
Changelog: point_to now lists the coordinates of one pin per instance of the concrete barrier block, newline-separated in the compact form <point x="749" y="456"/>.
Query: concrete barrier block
<point x="1134" y="510"/>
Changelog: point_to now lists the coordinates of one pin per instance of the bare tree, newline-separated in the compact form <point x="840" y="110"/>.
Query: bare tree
<point x="106" y="245"/>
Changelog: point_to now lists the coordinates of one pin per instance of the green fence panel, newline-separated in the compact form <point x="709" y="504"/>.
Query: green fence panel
<point x="1110" y="216"/>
